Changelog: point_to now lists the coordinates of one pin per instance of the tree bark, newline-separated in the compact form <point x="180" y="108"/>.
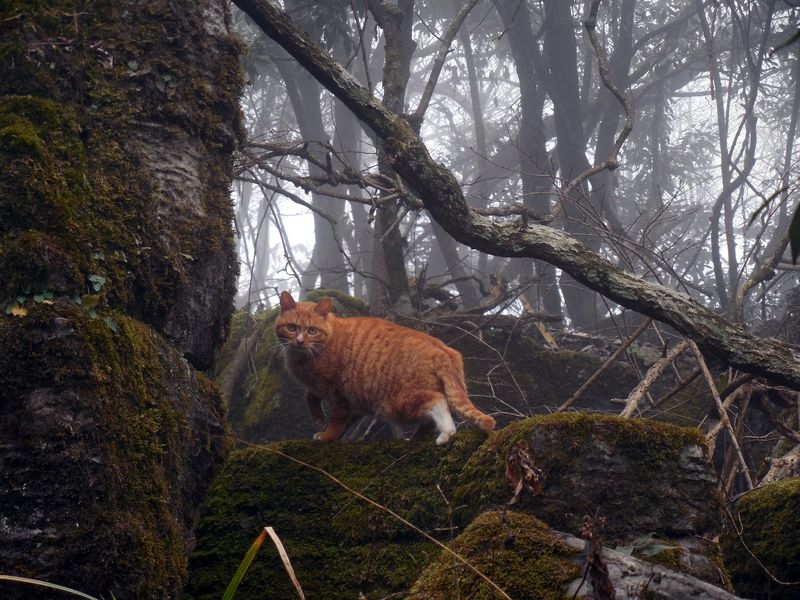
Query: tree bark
<point x="439" y="191"/>
<point x="396" y="24"/>
<point x="563" y="89"/>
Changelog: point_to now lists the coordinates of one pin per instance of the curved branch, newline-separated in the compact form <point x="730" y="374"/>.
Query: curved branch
<point x="612" y="162"/>
<point x="442" y="196"/>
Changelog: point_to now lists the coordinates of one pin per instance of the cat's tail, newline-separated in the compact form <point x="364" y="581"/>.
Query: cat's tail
<point x="452" y="378"/>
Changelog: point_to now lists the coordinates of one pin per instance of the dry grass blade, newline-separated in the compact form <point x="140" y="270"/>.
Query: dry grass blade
<point x="287" y="564"/>
<point x="248" y="558"/>
<point x="47" y="584"/>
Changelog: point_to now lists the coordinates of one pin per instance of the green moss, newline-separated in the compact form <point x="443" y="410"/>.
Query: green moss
<point x="120" y="457"/>
<point x="78" y="119"/>
<point x="339" y="544"/>
<point x="517" y="552"/>
<point x="765" y="525"/>
<point x="344" y="304"/>
<point x="578" y="447"/>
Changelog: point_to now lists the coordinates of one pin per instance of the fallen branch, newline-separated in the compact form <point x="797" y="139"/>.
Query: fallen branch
<point x="632" y="403"/>
<point x="723" y="413"/>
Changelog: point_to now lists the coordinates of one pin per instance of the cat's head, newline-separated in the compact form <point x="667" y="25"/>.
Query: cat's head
<point x="304" y="325"/>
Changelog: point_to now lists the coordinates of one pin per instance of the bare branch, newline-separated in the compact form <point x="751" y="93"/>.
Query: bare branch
<point x="441" y="56"/>
<point x="612" y="162"/>
<point x="723" y="413"/>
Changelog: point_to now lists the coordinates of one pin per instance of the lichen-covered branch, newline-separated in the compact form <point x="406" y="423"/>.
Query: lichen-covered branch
<point x="442" y="197"/>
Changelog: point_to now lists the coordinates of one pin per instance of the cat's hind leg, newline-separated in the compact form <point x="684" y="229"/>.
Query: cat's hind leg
<point x="439" y="413"/>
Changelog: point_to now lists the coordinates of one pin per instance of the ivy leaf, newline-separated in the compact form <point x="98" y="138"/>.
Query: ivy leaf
<point x="110" y="323"/>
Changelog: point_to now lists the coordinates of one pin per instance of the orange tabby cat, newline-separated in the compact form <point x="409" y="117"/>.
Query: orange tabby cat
<point x="368" y="366"/>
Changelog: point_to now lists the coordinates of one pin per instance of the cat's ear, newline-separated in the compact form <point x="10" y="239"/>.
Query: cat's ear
<point x="287" y="302"/>
<point x="323" y="307"/>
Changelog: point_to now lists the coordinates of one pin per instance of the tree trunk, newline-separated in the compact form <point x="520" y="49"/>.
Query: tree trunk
<point x="327" y="264"/>
<point x="536" y="170"/>
<point x="559" y="50"/>
<point x="117" y="125"/>
<point x="396" y="24"/>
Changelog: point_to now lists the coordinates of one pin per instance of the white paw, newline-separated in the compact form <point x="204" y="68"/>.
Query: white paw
<point x="443" y="438"/>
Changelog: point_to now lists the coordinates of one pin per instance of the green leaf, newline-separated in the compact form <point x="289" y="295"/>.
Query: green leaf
<point x="90" y="301"/>
<point x="248" y="558"/>
<point x="794" y="235"/>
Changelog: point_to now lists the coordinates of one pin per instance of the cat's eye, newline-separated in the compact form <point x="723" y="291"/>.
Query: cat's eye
<point x="312" y="330"/>
<point x="291" y="327"/>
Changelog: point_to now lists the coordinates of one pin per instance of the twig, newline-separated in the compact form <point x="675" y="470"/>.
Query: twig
<point x="606" y="365"/>
<point x="729" y="394"/>
<point x="652" y="374"/>
<point x="723" y="413"/>
<point x="612" y="162"/>
<point x="438" y="62"/>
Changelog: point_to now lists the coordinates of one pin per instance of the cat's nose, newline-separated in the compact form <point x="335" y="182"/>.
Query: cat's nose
<point x="299" y="339"/>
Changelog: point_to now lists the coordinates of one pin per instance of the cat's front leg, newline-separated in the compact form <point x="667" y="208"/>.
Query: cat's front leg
<point x="339" y="420"/>
<point x="314" y="404"/>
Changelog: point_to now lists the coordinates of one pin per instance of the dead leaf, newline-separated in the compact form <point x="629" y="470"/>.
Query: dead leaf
<point x="521" y="473"/>
<point x="19" y="311"/>
<point x="596" y="567"/>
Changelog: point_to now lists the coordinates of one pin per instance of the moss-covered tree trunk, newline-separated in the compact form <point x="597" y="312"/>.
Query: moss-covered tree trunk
<point x="117" y="266"/>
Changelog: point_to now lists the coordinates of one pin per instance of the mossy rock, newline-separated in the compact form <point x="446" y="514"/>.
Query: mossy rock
<point x="340" y="544"/>
<point x="761" y="542"/>
<point x="110" y="441"/>
<point x="641" y="475"/>
<point x="515" y="551"/>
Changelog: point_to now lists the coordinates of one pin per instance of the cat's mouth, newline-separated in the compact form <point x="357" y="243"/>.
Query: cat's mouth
<point x="299" y="348"/>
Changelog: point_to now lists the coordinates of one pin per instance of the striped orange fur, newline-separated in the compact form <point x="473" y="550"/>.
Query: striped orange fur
<point x="369" y="366"/>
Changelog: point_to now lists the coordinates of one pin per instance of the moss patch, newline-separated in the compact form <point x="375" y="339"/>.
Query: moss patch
<point x="92" y="101"/>
<point x="339" y="544"/>
<point x="118" y="438"/>
<point x="593" y="463"/>
<point x="766" y="523"/>
<point x="517" y="552"/>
